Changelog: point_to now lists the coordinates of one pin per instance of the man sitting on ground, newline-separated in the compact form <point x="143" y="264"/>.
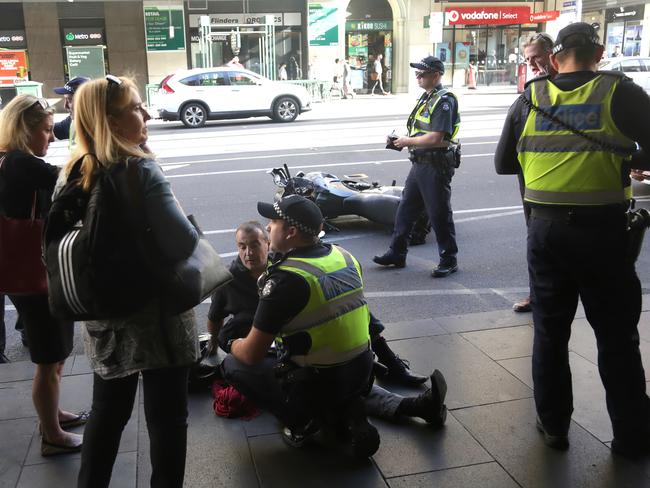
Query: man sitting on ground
<point x="239" y="300"/>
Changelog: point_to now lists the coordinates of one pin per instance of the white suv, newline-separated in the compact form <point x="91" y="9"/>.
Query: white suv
<point x="197" y="95"/>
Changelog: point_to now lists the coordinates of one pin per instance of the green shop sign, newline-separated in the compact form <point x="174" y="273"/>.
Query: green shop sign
<point x="157" y="21"/>
<point x="369" y="25"/>
<point x="323" y="25"/>
<point x="85" y="61"/>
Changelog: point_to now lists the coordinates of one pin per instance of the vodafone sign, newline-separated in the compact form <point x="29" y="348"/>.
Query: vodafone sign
<point x="487" y="15"/>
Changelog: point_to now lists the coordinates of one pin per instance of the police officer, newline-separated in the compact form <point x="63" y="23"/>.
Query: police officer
<point x="311" y="303"/>
<point x="577" y="184"/>
<point x="65" y="128"/>
<point x="432" y="127"/>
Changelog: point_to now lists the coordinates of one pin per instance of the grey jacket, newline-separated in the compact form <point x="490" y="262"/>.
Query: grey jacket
<point x="146" y="339"/>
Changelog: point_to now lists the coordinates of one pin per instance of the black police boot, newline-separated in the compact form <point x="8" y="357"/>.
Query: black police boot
<point x="298" y="437"/>
<point x="552" y="440"/>
<point x="391" y="258"/>
<point x="398" y="370"/>
<point x="445" y="268"/>
<point x="361" y="435"/>
<point x="429" y="405"/>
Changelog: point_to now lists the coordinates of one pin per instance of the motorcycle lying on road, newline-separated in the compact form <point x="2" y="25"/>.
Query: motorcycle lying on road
<point x="350" y="196"/>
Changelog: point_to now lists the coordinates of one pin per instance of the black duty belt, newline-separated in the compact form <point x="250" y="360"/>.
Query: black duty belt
<point x="580" y="215"/>
<point x="432" y="156"/>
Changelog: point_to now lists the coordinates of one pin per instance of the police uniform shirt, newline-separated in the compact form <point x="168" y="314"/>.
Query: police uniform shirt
<point x="284" y="293"/>
<point x="444" y="115"/>
<point x="237" y="299"/>
<point x="630" y="112"/>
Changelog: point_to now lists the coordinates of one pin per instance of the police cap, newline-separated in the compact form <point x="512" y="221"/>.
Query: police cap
<point x="295" y="210"/>
<point x="577" y="34"/>
<point x="430" y="63"/>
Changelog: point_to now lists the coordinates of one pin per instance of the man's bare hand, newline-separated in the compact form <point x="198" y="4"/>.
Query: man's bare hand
<point x="639" y="175"/>
<point x="402" y="141"/>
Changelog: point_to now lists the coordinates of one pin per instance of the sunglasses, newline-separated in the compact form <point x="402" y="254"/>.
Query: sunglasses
<point x="544" y="38"/>
<point x="113" y="82"/>
<point x="40" y="101"/>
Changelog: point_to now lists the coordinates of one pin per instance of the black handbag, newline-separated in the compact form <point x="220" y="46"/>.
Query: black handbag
<point x="185" y="284"/>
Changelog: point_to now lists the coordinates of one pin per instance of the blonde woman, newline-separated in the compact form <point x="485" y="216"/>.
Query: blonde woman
<point x="26" y="125"/>
<point x="110" y="123"/>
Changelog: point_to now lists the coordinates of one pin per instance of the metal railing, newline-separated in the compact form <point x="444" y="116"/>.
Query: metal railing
<point x="319" y="90"/>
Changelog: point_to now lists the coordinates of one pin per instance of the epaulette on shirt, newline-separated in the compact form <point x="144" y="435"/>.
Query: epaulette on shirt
<point x="543" y="77"/>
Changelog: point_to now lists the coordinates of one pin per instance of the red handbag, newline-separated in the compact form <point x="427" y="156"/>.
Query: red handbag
<point x="22" y="271"/>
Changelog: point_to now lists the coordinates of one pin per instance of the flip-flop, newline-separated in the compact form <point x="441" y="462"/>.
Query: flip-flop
<point x="51" y="449"/>
<point x="80" y="419"/>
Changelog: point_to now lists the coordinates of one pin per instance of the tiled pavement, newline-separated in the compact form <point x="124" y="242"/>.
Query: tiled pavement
<point x="489" y="440"/>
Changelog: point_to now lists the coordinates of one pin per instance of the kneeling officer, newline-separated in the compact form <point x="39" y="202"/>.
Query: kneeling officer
<point x="312" y="304"/>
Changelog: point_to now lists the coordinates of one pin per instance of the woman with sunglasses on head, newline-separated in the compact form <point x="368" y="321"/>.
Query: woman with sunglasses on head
<point x="26" y="185"/>
<point x="110" y="123"/>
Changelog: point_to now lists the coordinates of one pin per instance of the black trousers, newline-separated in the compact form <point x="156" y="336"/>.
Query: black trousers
<point x="427" y="187"/>
<point x="165" y="408"/>
<point x="567" y="260"/>
<point x="295" y="405"/>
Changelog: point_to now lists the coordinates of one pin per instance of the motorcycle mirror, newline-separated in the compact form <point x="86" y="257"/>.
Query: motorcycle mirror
<point x="286" y="170"/>
<point x="357" y="176"/>
<point x="279" y="180"/>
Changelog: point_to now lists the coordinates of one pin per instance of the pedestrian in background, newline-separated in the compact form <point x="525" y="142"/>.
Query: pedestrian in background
<point x="577" y="233"/>
<point x="432" y="128"/>
<point x="110" y="121"/>
<point x="348" y="92"/>
<point x="27" y="182"/>
<point x="282" y="72"/>
<point x="65" y="128"/>
<point x="376" y="75"/>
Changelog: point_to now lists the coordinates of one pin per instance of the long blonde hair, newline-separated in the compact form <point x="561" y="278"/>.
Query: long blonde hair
<point x="98" y="145"/>
<point x="18" y="120"/>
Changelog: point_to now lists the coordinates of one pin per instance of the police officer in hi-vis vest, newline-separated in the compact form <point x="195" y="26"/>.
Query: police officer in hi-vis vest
<point x="432" y="128"/>
<point x="574" y="138"/>
<point x="312" y="304"/>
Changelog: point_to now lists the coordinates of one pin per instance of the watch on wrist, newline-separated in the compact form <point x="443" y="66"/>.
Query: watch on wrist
<point x="230" y="343"/>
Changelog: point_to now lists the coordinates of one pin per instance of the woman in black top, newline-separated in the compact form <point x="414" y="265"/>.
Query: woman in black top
<point x="26" y="125"/>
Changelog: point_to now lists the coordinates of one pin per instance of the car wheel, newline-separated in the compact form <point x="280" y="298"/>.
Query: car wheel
<point x="194" y="115"/>
<point x="285" y="109"/>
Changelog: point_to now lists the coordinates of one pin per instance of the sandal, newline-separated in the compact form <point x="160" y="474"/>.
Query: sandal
<point x="51" y="449"/>
<point x="80" y="419"/>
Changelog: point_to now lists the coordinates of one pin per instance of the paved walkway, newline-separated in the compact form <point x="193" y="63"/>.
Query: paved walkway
<point x="489" y="440"/>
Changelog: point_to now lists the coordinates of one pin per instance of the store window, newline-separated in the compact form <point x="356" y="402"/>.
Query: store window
<point x="624" y="31"/>
<point x="492" y="52"/>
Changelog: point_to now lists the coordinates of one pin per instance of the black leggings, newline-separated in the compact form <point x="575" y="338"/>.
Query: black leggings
<point x="165" y="408"/>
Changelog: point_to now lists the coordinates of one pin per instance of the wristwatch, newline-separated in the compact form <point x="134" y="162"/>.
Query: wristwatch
<point x="230" y="343"/>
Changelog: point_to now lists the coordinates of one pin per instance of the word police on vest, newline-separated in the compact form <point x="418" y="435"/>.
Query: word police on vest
<point x="581" y="117"/>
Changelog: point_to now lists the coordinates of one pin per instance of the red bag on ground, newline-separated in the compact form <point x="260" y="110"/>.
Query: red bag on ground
<point x="230" y="403"/>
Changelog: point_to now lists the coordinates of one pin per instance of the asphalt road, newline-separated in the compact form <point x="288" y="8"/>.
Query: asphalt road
<point x="219" y="172"/>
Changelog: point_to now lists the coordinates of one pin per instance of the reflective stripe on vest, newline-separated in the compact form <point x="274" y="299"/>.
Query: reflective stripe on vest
<point x="336" y="316"/>
<point x="420" y="122"/>
<point x="561" y="167"/>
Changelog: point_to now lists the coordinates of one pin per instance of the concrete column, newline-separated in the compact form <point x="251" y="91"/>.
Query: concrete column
<point x="44" y="45"/>
<point x="125" y="40"/>
<point x="401" y="56"/>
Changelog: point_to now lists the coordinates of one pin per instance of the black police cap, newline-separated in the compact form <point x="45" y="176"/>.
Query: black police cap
<point x="296" y="210"/>
<point x="577" y="34"/>
<point x="430" y="63"/>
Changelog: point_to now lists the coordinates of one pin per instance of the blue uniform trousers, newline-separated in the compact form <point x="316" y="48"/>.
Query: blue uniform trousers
<point x="427" y="187"/>
<point x="585" y="257"/>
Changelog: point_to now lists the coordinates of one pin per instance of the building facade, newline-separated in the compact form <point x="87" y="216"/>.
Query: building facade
<point x="479" y="42"/>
